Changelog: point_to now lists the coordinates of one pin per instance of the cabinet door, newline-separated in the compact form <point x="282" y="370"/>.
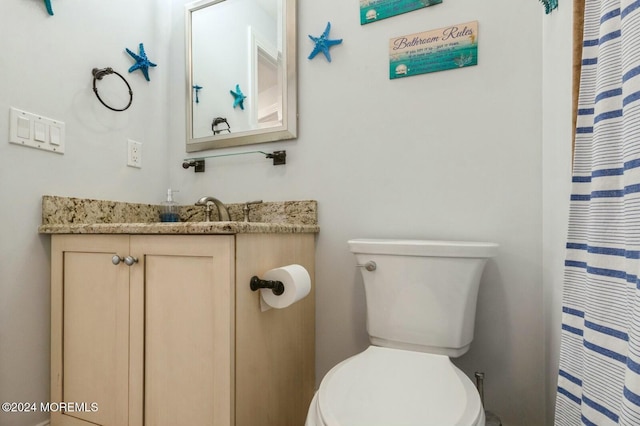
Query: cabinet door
<point x="89" y="330"/>
<point x="182" y="330"/>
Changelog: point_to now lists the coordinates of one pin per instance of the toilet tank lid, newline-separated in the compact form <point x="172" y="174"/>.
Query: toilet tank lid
<point x="383" y="386"/>
<point x="432" y="248"/>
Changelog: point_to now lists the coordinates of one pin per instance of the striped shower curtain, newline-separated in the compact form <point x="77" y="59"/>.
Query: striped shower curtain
<point x="599" y="377"/>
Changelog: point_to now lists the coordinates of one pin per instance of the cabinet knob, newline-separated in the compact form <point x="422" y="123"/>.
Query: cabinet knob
<point x="130" y="260"/>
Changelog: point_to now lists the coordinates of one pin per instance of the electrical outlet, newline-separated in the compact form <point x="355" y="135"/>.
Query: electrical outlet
<point x="134" y="154"/>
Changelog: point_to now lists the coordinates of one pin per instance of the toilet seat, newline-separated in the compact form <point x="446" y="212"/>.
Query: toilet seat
<point x="394" y="387"/>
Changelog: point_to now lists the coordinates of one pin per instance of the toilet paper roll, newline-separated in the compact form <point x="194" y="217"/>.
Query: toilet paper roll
<point x="297" y="284"/>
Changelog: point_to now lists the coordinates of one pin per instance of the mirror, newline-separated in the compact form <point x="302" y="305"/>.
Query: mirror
<point x="241" y="72"/>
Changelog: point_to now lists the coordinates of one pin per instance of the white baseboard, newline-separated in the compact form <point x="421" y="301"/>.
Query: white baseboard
<point x="45" y="423"/>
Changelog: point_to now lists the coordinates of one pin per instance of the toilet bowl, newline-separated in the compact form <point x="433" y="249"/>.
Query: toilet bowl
<point x="394" y="387"/>
<point x="421" y="301"/>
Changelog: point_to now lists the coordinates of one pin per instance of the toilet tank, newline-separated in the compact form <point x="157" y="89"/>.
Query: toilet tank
<point x="422" y="294"/>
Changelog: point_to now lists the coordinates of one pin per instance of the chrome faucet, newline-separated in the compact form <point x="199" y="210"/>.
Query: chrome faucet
<point x="209" y="202"/>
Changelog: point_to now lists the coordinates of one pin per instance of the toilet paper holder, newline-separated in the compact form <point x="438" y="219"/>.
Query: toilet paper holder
<point x="276" y="286"/>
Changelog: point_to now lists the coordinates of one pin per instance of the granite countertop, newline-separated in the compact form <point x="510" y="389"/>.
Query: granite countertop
<point x="65" y="215"/>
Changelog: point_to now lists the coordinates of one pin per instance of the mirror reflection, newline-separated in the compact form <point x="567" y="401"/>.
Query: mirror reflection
<point x="241" y="69"/>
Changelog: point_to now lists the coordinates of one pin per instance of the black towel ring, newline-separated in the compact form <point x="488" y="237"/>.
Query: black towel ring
<point x="98" y="74"/>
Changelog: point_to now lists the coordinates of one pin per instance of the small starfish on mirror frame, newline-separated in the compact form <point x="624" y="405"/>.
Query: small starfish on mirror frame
<point x="323" y="43"/>
<point x="142" y="62"/>
<point x="47" y="4"/>
<point x="238" y="97"/>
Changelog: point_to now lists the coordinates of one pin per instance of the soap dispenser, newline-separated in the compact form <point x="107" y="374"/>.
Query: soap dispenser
<point x="169" y="209"/>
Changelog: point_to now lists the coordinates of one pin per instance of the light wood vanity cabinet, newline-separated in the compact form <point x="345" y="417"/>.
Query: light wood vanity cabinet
<point x="178" y="338"/>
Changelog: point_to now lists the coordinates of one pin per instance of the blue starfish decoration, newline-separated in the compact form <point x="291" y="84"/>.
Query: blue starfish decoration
<point x="47" y="3"/>
<point x="197" y="89"/>
<point x="549" y="5"/>
<point x="142" y="62"/>
<point x="323" y="43"/>
<point x="238" y="97"/>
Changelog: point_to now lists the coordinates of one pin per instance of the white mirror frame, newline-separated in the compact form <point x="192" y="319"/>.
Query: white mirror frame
<point x="288" y="128"/>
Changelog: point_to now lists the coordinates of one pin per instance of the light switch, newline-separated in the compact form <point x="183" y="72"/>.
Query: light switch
<point x="40" y="131"/>
<point x="54" y="135"/>
<point x="24" y="130"/>
<point x="36" y="131"/>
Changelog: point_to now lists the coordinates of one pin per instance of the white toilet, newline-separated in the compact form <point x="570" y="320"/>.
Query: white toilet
<point x="421" y="305"/>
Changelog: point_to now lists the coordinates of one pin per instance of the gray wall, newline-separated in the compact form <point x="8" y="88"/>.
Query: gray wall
<point x="480" y="153"/>
<point x="46" y="69"/>
<point x="449" y="155"/>
<point x="556" y="181"/>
